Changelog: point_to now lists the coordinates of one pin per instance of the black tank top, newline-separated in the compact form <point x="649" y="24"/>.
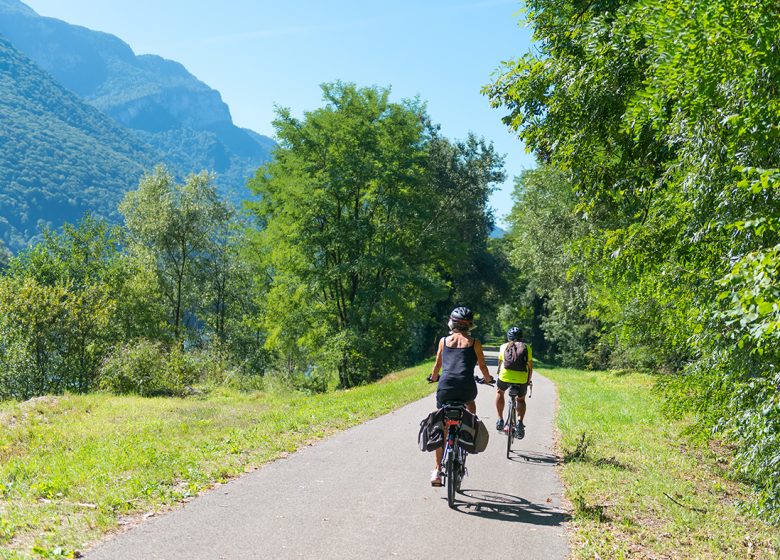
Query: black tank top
<point x="458" y="367"/>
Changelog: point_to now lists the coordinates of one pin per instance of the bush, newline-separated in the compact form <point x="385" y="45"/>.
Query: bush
<point x="148" y="369"/>
<point x="313" y="380"/>
<point x="219" y="370"/>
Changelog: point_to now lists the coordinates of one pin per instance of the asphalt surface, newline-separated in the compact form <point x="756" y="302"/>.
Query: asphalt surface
<point x="365" y="493"/>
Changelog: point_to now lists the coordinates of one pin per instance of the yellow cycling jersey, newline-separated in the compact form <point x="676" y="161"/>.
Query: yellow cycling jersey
<point x="510" y="375"/>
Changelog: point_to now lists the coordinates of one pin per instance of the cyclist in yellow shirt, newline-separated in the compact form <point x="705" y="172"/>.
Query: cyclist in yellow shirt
<point x="521" y="378"/>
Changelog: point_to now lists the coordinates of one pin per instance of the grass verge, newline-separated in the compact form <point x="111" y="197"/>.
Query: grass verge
<point x="638" y="487"/>
<point x="73" y="468"/>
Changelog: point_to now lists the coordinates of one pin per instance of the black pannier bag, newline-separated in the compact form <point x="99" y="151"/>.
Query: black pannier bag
<point x="431" y="435"/>
<point x="474" y="435"/>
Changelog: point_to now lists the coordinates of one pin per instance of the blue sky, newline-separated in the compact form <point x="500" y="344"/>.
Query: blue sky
<point x="259" y="53"/>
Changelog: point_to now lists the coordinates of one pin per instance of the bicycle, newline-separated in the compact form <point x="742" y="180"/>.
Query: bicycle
<point x="454" y="456"/>
<point x="510" y="424"/>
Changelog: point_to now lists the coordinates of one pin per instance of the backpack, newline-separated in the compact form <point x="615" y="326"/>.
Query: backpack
<point x="516" y="356"/>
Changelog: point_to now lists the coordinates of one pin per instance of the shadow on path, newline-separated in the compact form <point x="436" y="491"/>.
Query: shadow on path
<point x="533" y="457"/>
<point x="506" y="507"/>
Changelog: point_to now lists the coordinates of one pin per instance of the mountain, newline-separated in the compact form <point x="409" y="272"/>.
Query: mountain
<point x="59" y="156"/>
<point x="497" y="233"/>
<point x="158" y="99"/>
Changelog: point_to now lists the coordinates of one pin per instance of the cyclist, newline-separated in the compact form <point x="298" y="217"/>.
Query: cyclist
<point x="457" y="356"/>
<point x="508" y="377"/>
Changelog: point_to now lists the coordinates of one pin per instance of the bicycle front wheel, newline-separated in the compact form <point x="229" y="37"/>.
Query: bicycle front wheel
<point x="453" y="479"/>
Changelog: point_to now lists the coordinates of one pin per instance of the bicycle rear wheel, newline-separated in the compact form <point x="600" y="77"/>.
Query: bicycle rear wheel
<point x="510" y="421"/>
<point x="452" y="478"/>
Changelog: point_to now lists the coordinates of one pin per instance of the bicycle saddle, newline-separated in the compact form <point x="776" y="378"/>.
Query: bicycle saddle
<point x="454" y="409"/>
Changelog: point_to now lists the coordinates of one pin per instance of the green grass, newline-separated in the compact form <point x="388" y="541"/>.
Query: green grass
<point x="638" y="487"/>
<point x="73" y="468"/>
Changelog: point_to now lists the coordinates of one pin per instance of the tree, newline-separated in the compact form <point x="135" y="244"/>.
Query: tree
<point x="665" y="116"/>
<point x="462" y="175"/>
<point x="542" y="237"/>
<point x="347" y="224"/>
<point x="170" y="227"/>
<point x="59" y="311"/>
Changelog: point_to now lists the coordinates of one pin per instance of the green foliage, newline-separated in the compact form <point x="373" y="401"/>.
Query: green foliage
<point x="352" y="241"/>
<point x="542" y="250"/>
<point x="34" y="319"/>
<point x="148" y="369"/>
<point x="170" y="228"/>
<point x="231" y="153"/>
<point x="59" y="310"/>
<point x="462" y="175"/>
<point x="664" y="118"/>
<point x="76" y="297"/>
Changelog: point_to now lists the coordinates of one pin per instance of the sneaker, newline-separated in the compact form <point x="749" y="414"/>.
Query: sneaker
<point x="500" y="424"/>
<point x="436" y="478"/>
<point x="520" y="430"/>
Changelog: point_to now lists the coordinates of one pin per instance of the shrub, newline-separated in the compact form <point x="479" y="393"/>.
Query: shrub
<point x="147" y="368"/>
<point x="219" y="370"/>
<point x="312" y="380"/>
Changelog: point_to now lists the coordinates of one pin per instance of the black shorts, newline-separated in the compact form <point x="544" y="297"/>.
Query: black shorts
<point x="465" y="394"/>
<point x="522" y="388"/>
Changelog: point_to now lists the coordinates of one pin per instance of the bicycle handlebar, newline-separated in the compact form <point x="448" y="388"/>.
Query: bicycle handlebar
<point x="477" y="378"/>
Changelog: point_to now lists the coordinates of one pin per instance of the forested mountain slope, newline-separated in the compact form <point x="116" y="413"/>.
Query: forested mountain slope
<point x="59" y="156"/>
<point x="158" y="99"/>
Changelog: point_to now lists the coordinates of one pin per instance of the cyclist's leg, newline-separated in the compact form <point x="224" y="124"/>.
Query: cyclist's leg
<point x="439" y="453"/>
<point x="521" y="407"/>
<point x="520" y="400"/>
<point x="472" y="407"/>
<point x="499" y="402"/>
<point x="501" y="387"/>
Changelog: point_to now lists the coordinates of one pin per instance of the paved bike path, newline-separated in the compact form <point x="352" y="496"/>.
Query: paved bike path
<point x="365" y="493"/>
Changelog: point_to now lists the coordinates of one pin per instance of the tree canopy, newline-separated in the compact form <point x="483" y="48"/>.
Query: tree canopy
<point x="663" y="118"/>
<point x="361" y="213"/>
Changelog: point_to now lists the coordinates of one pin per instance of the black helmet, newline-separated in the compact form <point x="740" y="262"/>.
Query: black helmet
<point x="462" y="317"/>
<point x="514" y="333"/>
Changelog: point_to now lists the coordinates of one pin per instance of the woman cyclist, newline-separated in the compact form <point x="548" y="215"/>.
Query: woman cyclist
<point x="456" y="357"/>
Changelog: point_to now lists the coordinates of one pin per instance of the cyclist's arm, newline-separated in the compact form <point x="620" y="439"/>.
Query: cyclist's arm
<point x="481" y="362"/>
<point x="437" y="365"/>
<point x="530" y="364"/>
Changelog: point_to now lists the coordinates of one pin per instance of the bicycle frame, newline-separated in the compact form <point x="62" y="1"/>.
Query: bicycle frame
<point x="511" y="418"/>
<point x="454" y="456"/>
